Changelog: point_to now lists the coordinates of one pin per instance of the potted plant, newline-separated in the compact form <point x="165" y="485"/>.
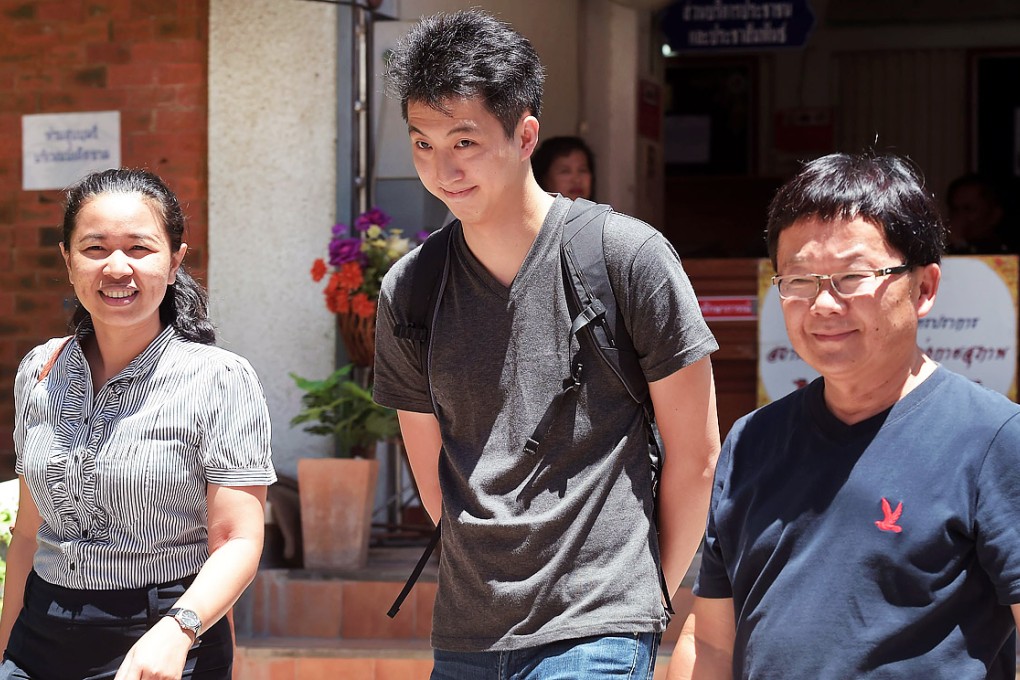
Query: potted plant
<point x="341" y="407"/>
<point x="337" y="494"/>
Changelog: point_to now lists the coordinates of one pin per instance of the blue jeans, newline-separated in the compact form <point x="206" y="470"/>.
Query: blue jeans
<point x="630" y="656"/>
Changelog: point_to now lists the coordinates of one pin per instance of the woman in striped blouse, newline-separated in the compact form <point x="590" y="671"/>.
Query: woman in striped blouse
<point x="143" y="453"/>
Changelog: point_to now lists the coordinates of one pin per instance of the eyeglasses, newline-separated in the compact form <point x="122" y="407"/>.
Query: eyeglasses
<point x="844" y="284"/>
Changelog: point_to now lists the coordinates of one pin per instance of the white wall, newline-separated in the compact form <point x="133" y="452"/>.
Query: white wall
<point x="610" y="65"/>
<point x="272" y="173"/>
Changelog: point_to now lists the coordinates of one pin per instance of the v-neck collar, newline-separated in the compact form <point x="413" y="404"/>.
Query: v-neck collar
<point x="546" y="244"/>
<point x="835" y="429"/>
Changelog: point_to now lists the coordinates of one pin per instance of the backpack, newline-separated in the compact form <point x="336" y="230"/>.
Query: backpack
<point x="593" y="308"/>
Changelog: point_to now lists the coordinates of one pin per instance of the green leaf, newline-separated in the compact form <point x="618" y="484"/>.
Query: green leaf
<point x="339" y="406"/>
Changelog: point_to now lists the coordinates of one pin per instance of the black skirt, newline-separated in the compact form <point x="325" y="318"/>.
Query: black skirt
<point x="68" y="634"/>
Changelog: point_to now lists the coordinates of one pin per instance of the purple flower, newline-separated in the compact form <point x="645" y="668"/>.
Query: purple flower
<point x="343" y="250"/>
<point x="339" y="230"/>
<point x="422" y="235"/>
<point x="374" y="216"/>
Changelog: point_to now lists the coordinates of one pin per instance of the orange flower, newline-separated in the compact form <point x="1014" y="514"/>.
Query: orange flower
<point x="318" y="270"/>
<point x="333" y="284"/>
<point x="351" y="276"/>
<point x="330" y="304"/>
<point x="338" y="301"/>
<point x="362" y="306"/>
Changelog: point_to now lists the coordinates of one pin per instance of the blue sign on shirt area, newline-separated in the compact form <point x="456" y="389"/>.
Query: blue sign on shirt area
<point x="716" y="25"/>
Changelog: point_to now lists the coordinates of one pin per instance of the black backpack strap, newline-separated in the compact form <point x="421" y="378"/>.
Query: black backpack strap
<point x="427" y="284"/>
<point x="413" y="578"/>
<point x="570" y="385"/>
<point x="594" y="303"/>
<point x="584" y="265"/>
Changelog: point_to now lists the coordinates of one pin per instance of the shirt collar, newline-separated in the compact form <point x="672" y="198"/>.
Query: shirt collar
<point x="142" y="364"/>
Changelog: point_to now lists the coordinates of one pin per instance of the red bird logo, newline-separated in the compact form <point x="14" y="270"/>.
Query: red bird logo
<point x="888" y="521"/>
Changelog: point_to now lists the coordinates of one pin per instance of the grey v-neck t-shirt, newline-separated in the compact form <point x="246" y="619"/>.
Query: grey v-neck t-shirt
<point x="558" y="545"/>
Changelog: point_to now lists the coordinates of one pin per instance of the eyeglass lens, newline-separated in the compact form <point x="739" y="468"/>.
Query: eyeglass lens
<point x="846" y="284"/>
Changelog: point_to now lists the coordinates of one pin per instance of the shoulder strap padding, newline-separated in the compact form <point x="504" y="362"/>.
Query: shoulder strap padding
<point x="584" y="263"/>
<point x="427" y="283"/>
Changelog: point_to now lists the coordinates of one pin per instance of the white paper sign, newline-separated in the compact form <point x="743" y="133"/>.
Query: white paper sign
<point x="58" y="149"/>
<point x="971" y="329"/>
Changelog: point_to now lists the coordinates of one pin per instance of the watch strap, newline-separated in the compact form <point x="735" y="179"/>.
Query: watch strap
<point x="182" y="616"/>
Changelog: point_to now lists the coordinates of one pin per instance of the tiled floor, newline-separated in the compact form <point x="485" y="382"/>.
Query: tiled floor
<point x="267" y="660"/>
<point x="296" y="624"/>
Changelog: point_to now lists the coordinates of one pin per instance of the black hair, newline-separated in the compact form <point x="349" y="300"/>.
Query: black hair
<point x="884" y="190"/>
<point x="555" y="147"/>
<point x="185" y="305"/>
<point x="468" y="54"/>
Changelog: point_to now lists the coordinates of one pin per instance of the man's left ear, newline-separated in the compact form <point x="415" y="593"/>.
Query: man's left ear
<point x="528" y="135"/>
<point x="930" y="275"/>
<point x="175" y="263"/>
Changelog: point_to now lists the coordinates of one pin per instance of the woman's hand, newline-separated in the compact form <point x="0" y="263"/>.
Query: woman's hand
<point x="159" y="654"/>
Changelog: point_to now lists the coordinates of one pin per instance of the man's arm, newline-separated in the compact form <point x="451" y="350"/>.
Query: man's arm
<point x="704" y="650"/>
<point x="685" y="412"/>
<point x="422" y="441"/>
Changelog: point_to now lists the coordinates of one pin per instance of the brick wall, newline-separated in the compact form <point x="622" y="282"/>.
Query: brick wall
<point x="146" y="58"/>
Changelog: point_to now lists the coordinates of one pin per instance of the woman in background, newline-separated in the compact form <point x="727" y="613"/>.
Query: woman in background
<point x="143" y="454"/>
<point x="565" y="165"/>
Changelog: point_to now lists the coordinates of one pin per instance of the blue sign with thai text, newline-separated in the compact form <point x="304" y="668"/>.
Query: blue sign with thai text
<point x="716" y="25"/>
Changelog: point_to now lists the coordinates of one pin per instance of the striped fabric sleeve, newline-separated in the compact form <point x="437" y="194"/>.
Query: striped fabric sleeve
<point x="236" y="435"/>
<point x="24" y="381"/>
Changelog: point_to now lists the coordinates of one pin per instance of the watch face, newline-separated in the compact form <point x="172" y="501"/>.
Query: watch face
<point x="188" y="619"/>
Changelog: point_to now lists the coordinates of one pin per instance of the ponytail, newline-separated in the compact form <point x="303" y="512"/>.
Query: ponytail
<point x="186" y="308"/>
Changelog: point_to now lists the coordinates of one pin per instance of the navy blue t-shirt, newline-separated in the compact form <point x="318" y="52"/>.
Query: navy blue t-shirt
<point x="885" y="549"/>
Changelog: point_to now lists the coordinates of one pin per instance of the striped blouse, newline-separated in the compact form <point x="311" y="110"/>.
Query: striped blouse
<point x="120" y="476"/>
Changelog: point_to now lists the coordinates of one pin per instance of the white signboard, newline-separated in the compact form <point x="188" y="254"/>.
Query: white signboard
<point x="58" y="149"/>
<point x="971" y="329"/>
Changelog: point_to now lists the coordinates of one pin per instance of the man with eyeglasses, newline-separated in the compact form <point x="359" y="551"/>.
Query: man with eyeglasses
<point x="867" y="525"/>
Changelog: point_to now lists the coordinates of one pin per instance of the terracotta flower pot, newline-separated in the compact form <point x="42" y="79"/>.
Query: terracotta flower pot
<point x="337" y="496"/>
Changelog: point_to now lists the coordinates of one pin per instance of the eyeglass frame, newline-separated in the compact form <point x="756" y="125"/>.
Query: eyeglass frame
<point x="876" y="273"/>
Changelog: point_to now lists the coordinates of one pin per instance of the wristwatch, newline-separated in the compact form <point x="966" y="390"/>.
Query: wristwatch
<point x="186" y="619"/>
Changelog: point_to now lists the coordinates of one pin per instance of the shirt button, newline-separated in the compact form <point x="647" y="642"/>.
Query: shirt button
<point x="71" y="566"/>
<point x="85" y="534"/>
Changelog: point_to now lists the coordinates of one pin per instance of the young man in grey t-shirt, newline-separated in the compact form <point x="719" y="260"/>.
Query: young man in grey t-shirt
<point x="550" y="561"/>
